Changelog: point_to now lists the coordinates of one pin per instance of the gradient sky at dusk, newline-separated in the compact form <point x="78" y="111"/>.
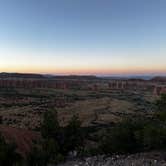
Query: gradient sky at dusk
<point x="83" y="36"/>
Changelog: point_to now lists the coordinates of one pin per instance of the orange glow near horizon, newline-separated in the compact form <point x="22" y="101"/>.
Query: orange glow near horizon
<point x="83" y="71"/>
<point x="83" y="63"/>
<point x="92" y="64"/>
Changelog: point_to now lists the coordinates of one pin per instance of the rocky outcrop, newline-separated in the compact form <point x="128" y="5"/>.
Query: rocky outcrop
<point x="130" y="84"/>
<point x="142" y="159"/>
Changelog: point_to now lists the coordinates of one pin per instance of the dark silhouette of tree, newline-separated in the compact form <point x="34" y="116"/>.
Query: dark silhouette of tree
<point x="50" y="126"/>
<point x="73" y="134"/>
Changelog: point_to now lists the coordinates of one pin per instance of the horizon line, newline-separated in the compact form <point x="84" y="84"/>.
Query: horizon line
<point x="86" y="74"/>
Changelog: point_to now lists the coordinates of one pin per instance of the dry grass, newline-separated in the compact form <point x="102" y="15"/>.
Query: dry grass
<point x="95" y="110"/>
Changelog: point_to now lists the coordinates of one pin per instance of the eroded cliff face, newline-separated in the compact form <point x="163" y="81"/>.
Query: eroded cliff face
<point x="156" y="85"/>
<point x="33" y="83"/>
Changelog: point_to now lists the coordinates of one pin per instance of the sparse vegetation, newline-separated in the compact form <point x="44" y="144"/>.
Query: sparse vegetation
<point x="137" y="135"/>
<point x="8" y="154"/>
<point x="83" y="122"/>
<point x="161" y="108"/>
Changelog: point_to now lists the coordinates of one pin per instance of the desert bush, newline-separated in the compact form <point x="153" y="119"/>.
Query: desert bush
<point x="50" y="126"/>
<point x="36" y="157"/>
<point x="52" y="150"/>
<point x="58" y="141"/>
<point x="73" y="135"/>
<point x="8" y="154"/>
<point x="139" y="134"/>
<point x="161" y="108"/>
<point x="120" y="139"/>
<point x="161" y="103"/>
<point x="154" y="137"/>
<point x="134" y="136"/>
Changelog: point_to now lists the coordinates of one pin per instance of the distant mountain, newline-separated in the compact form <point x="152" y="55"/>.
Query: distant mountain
<point x="128" y="77"/>
<point x="80" y="77"/>
<point x="21" y="75"/>
<point x="159" y="79"/>
<point x="47" y="76"/>
<point x="135" y="77"/>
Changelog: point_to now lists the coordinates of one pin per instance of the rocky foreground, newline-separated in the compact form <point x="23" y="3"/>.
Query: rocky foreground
<point x="142" y="159"/>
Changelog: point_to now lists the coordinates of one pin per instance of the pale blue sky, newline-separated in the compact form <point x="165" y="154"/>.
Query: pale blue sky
<point x="83" y="36"/>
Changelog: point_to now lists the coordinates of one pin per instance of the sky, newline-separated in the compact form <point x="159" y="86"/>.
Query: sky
<point x="101" y="37"/>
